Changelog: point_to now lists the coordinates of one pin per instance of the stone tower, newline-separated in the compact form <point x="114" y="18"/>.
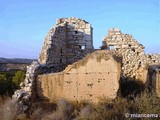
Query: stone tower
<point x="68" y="41"/>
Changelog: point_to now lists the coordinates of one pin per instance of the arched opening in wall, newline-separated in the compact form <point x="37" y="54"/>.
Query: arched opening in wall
<point x="111" y="47"/>
<point x="73" y="24"/>
<point x="82" y="47"/>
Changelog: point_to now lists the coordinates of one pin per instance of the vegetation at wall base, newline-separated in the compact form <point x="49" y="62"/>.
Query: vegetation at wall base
<point x="10" y="81"/>
<point x="106" y="109"/>
<point x="133" y="100"/>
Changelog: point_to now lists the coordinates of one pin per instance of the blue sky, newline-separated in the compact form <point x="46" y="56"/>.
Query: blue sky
<point x="24" y="23"/>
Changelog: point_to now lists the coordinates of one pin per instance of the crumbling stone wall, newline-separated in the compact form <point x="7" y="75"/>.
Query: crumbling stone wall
<point x="135" y="62"/>
<point x="152" y="59"/>
<point x="27" y="94"/>
<point x="68" y="41"/>
<point x="97" y="75"/>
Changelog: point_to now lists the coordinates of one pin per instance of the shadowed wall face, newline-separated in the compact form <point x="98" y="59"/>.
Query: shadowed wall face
<point x="154" y="78"/>
<point x="94" y="77"/>
<point x="68" y="41"/>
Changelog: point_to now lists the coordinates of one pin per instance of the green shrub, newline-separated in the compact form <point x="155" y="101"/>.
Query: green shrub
<point x="19" y="77"/>
<point x="6" y="85"/>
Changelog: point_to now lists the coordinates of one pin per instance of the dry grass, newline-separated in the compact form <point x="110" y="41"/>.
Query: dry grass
<point x="106" y="109"/>
<point x="64" y="111"/>
<point x="2" y="100"/>
<point x="9" y="110"/>
<point x="147" y="103"/>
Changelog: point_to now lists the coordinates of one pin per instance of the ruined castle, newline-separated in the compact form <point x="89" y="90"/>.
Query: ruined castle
<point x="69" y="66"/>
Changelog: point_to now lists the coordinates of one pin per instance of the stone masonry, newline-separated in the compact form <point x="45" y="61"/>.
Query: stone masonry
<point x="27" y="93"/>
<point x="95" y="76"/>
<point x="135" y="62"/>
<point x="63" y="70"/>
<point x="68" y="41"/>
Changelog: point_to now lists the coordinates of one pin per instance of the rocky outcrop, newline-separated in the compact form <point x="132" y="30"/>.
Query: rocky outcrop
<point x="95" y="76"/>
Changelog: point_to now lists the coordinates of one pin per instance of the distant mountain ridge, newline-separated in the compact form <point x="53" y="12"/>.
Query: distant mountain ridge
<point x="7" y="64"/>
<point x="17" y="60"/>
